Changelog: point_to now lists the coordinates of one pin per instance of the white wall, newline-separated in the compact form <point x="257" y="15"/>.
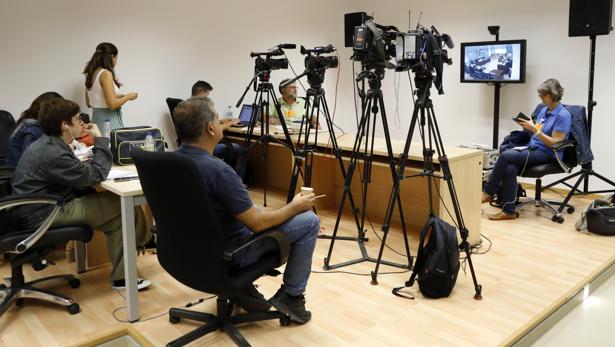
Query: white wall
<point x="165" y="46"/>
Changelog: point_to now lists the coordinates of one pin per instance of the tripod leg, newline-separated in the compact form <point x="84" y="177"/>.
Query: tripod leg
<point x="560" y="181"/>
<point x="347" y="184"/>
<point x="394" y="197"/>
<point x="258" y="99"/>
<point x="367" y="169"/>
<point x="265" y="144"/>
<point x="604" y="179"/>
<point x="455" y="200"/>
<point x="298" y="162"/>
<point x="340" y="160"/>
<point x="287" y="139"/>
<point x="571" y="193"/>
<point x="300" y="156"/>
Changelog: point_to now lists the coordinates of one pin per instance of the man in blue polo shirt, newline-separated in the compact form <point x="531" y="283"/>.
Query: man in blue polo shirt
<point x="552" y="125"/>
<point x="198" y="125"/>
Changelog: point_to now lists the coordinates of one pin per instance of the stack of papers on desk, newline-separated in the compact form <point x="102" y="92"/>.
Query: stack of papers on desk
<point x="117" y="173"/>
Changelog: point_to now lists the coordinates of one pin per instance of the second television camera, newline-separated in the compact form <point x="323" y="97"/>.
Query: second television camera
<point x="422" y="51"/>
<point x="316" y="63"/>
<point x="265" y="62"/>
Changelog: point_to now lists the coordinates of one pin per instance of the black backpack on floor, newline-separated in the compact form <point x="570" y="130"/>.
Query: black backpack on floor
<point x="437" y="261"/>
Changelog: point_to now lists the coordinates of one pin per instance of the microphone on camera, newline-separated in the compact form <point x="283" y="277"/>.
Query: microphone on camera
<point x="287" y="45"/>
<point x="448" y="41"/>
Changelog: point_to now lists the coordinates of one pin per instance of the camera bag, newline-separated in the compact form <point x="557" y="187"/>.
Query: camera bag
<point x="125" y="140"/>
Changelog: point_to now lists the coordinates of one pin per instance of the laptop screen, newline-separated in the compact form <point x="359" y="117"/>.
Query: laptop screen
<point x="246" y="113"/>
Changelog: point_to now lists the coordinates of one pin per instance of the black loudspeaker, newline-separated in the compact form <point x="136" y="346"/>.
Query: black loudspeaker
<point x="352" y="20"/>
<point x="590" y="17"/>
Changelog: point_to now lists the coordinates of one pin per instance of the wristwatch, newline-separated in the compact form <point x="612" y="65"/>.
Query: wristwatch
<point x="538" y="132"/>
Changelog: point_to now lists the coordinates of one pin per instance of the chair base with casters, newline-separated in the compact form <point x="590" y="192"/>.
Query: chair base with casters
<point x="538" y="201"/>
<point x="15" y="289"/>
<point x="224" y="321"/>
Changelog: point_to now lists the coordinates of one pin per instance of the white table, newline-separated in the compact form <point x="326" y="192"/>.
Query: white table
<point x="131" y="195"/>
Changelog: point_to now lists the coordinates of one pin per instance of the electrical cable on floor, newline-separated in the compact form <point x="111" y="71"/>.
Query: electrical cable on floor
<point x="474" y="249"/>
<point x="379" y="238"/>
<point x="190" y="304"/>
<point x="359" y="274"/>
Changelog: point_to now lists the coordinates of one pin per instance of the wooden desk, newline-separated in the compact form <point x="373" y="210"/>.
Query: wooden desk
<point x="465" y="165"/>
<point x="131" y="195"/>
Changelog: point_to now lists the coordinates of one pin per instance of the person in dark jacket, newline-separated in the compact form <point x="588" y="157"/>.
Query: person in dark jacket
<point x="49" y="166"/>
<point x="27" y="129"/>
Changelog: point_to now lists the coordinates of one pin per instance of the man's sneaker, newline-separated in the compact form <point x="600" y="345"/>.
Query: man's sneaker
<point x="292" y="306"/>
<point x="251" y="300"/>
<point x="141" y="284"/>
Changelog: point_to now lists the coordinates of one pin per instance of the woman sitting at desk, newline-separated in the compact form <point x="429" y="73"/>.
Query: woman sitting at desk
<point x="49" y="166"/>
<point x="552" y="126"/>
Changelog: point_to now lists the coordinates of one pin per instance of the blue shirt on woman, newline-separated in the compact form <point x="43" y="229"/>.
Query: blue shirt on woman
<point x="557" y="120"/>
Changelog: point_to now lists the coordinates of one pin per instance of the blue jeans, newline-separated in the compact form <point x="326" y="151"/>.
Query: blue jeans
<point x="241" y="156"/>
<point x="301" y="231"/>
<point x="510" y="164"/>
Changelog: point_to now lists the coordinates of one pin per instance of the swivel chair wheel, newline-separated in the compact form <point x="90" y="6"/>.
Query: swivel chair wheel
<point x="74" y="283"/>
<point x="73" y="308"/>
<point x="558" y="219"/>
<point x="285" y="321"/>
<point x="173" y="319"/>
<point x="570" y="210"/>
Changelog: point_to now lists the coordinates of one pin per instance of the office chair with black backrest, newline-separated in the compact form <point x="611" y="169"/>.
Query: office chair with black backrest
<point x="192" y="247"/>
<point x="172" y="103"/>
<point x="28" y="246"/>
<point x="563" y="165"/>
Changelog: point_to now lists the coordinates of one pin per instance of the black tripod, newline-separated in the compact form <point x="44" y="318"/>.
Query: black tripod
<point x="372" y="104"/>
<point x="423" y="108"/>
<point x="315" y="99"/>
<point x="260" y="107"/>
<point x="586" y="169"/>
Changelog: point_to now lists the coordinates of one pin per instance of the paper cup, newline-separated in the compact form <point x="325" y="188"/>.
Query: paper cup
<point x="306" y="190"/>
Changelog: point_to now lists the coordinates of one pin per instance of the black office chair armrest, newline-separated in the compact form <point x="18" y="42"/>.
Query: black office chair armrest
<point x="33" y="199"/>
<point x="561" y="145"/>
<point x="277" y="236"/>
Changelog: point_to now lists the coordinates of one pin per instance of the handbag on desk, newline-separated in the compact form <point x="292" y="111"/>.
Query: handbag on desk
<point x="125" y="140"/>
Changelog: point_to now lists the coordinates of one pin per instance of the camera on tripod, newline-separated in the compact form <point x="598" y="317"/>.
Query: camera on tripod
<point x="316" y="63"/>
<point x="422" y="51"/>
<point x="374" y="45"/>
<point x="314" y="60"/>
<point x="265" y="62"/>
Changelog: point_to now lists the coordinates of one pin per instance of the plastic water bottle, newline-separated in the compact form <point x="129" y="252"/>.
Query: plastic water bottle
<point x="149" y="143"/>
<point x="107" y="129"/>
<point x="228" y="113"/>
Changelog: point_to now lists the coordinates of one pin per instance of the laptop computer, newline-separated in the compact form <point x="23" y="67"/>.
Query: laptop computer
<point x="245" y="116"/>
